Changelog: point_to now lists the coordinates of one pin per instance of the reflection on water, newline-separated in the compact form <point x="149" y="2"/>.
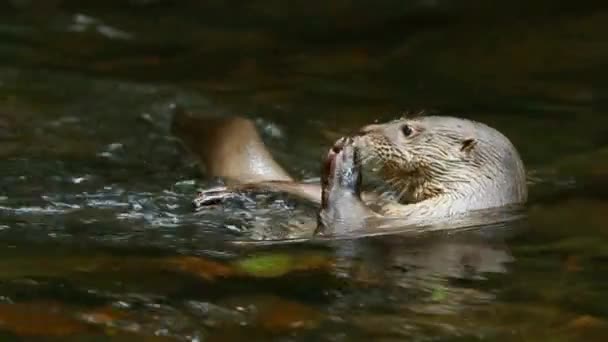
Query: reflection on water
<point x="97" y="234"/>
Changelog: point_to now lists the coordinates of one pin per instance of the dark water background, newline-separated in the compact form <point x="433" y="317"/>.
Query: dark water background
<point x="97" y="237"/>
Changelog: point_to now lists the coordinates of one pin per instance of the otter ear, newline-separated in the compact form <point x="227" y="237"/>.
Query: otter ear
<point x="468" y="145"/>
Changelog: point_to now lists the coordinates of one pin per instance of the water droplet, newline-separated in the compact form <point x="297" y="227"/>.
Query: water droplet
<point x="78" y="180"/>
<point x="115" y="146"/>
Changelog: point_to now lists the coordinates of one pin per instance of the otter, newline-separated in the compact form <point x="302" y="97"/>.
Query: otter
<point x="444" y="165"/>
<point x="439" y="166"/>
<point x="231" y="148"/>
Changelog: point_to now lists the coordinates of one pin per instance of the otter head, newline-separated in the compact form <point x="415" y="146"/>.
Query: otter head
<point x="431" y="156"/>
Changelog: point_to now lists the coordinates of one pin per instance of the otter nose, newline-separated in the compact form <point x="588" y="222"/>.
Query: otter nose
<point x="369" y="128"/>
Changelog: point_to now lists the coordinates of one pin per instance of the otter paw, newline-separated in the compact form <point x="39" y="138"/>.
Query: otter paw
<point x="214" y="196"/>
<point x="341" y="207"/>
<point x="342" y="167"/>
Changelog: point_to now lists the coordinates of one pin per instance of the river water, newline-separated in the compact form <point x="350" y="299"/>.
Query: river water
<point x="97" y="234"/>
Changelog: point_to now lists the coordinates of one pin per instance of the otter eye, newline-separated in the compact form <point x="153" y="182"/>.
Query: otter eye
<point x="406" y="130"/>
